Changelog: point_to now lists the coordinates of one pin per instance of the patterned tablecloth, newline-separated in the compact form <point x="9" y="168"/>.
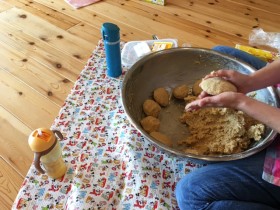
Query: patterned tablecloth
<point x="110" y="164"/>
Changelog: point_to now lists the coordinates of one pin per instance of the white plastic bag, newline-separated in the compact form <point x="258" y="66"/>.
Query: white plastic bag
<point x="129" y="55"/>
<point x="260" y="37"/>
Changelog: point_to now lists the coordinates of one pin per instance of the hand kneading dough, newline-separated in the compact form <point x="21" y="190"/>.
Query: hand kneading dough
<point x="162" y="138"/>
<point x="217" y="85"/>
<point x="151" y="108"/>
<point x="181" y="91"/>
<point x="161" y="96"/>
<point x="150" y="124"/>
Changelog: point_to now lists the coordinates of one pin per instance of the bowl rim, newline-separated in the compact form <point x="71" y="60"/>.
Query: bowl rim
<point x="266" y="142"/>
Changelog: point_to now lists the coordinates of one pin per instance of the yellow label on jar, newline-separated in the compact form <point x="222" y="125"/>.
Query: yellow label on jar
<point x="161" y="46"/>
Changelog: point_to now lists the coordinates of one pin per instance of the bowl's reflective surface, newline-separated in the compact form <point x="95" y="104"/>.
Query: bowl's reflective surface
<point x="173" y="67"/>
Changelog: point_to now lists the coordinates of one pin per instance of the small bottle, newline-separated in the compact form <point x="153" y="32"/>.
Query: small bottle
<point x="43" y="142"/>
<point x="111" y="37"/>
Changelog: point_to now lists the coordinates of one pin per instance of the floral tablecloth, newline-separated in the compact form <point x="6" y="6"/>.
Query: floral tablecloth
<point x="110" y="165"/>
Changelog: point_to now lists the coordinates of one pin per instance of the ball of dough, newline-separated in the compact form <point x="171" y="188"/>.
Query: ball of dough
<point x="161" y="96"/>
<point x="196" y="88"/>
<point x="181" y="91"/>
<point x="150" y="124"/>
<point x="162" y="138"/>
<point x="217" y="85"/>
<point x="151" y="108"/>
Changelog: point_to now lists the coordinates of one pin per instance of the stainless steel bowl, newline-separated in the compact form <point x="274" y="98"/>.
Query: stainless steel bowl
<point x="173" y="67"/>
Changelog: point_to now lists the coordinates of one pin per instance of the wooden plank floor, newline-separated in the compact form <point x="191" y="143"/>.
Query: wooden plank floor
<point x="44" y="44"/>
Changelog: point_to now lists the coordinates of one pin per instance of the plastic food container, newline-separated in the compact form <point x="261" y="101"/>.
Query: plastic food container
<point x="134" y="50"/>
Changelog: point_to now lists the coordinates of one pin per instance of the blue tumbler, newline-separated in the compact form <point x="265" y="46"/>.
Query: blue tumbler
<point x="111" y="37"/>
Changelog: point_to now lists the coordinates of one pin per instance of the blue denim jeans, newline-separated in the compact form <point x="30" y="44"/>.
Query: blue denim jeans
<point x="233" y="185"/>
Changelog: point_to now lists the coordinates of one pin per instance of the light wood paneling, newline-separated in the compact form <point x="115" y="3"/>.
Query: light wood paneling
<point x="26" y="103"/>
<point x="50" y="84"/>
<point x="4" y="6"/>
<point x="13" y="140"/>
<point x="10" y="182"/>
<point x="48" y="56"/>
<point x="44" y="12"/>
<point x="43" y="30"/>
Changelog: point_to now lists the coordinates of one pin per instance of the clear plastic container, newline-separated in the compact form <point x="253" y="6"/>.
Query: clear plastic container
<point x="129" y="56"/>
<point x="46" y="146"/>
<point x="53" y="162"/>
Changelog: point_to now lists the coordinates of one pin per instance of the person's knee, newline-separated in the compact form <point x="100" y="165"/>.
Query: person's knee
<point x="187" y="191"/>
<point x="196" y="190"/>
<point x="182" y="192"/>
<point x="181" y="188"/>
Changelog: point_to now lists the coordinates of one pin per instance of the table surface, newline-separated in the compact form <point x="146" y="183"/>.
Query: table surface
<point x="109" y="164"/>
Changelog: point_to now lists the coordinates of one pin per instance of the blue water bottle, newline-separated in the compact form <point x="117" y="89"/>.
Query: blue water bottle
<point x="111" y="37"/>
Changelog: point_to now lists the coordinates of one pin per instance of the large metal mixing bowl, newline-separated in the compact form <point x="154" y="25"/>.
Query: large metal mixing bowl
<point x="177" y="66"/>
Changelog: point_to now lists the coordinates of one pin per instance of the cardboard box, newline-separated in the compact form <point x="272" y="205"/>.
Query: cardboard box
<point x="159" y="2"/>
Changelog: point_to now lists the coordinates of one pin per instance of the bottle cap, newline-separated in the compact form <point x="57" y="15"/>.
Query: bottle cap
<point x="41" y="139"/>
<point x="110" y="32"/>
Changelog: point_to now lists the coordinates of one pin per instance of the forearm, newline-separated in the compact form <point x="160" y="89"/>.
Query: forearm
<point x="260" y="111"/>
<point x="267" y="76"/>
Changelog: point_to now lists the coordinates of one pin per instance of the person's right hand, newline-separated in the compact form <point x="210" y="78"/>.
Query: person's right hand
<point x="226" y="99"/>
<point x="241" y="81"/>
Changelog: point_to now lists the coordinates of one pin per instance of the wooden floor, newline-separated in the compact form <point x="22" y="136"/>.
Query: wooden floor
<point x="44" y="45"/>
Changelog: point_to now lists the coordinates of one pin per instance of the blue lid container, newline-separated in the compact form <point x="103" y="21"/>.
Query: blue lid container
<point x="111" y="37"/>
<point x="110" y="32"/>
